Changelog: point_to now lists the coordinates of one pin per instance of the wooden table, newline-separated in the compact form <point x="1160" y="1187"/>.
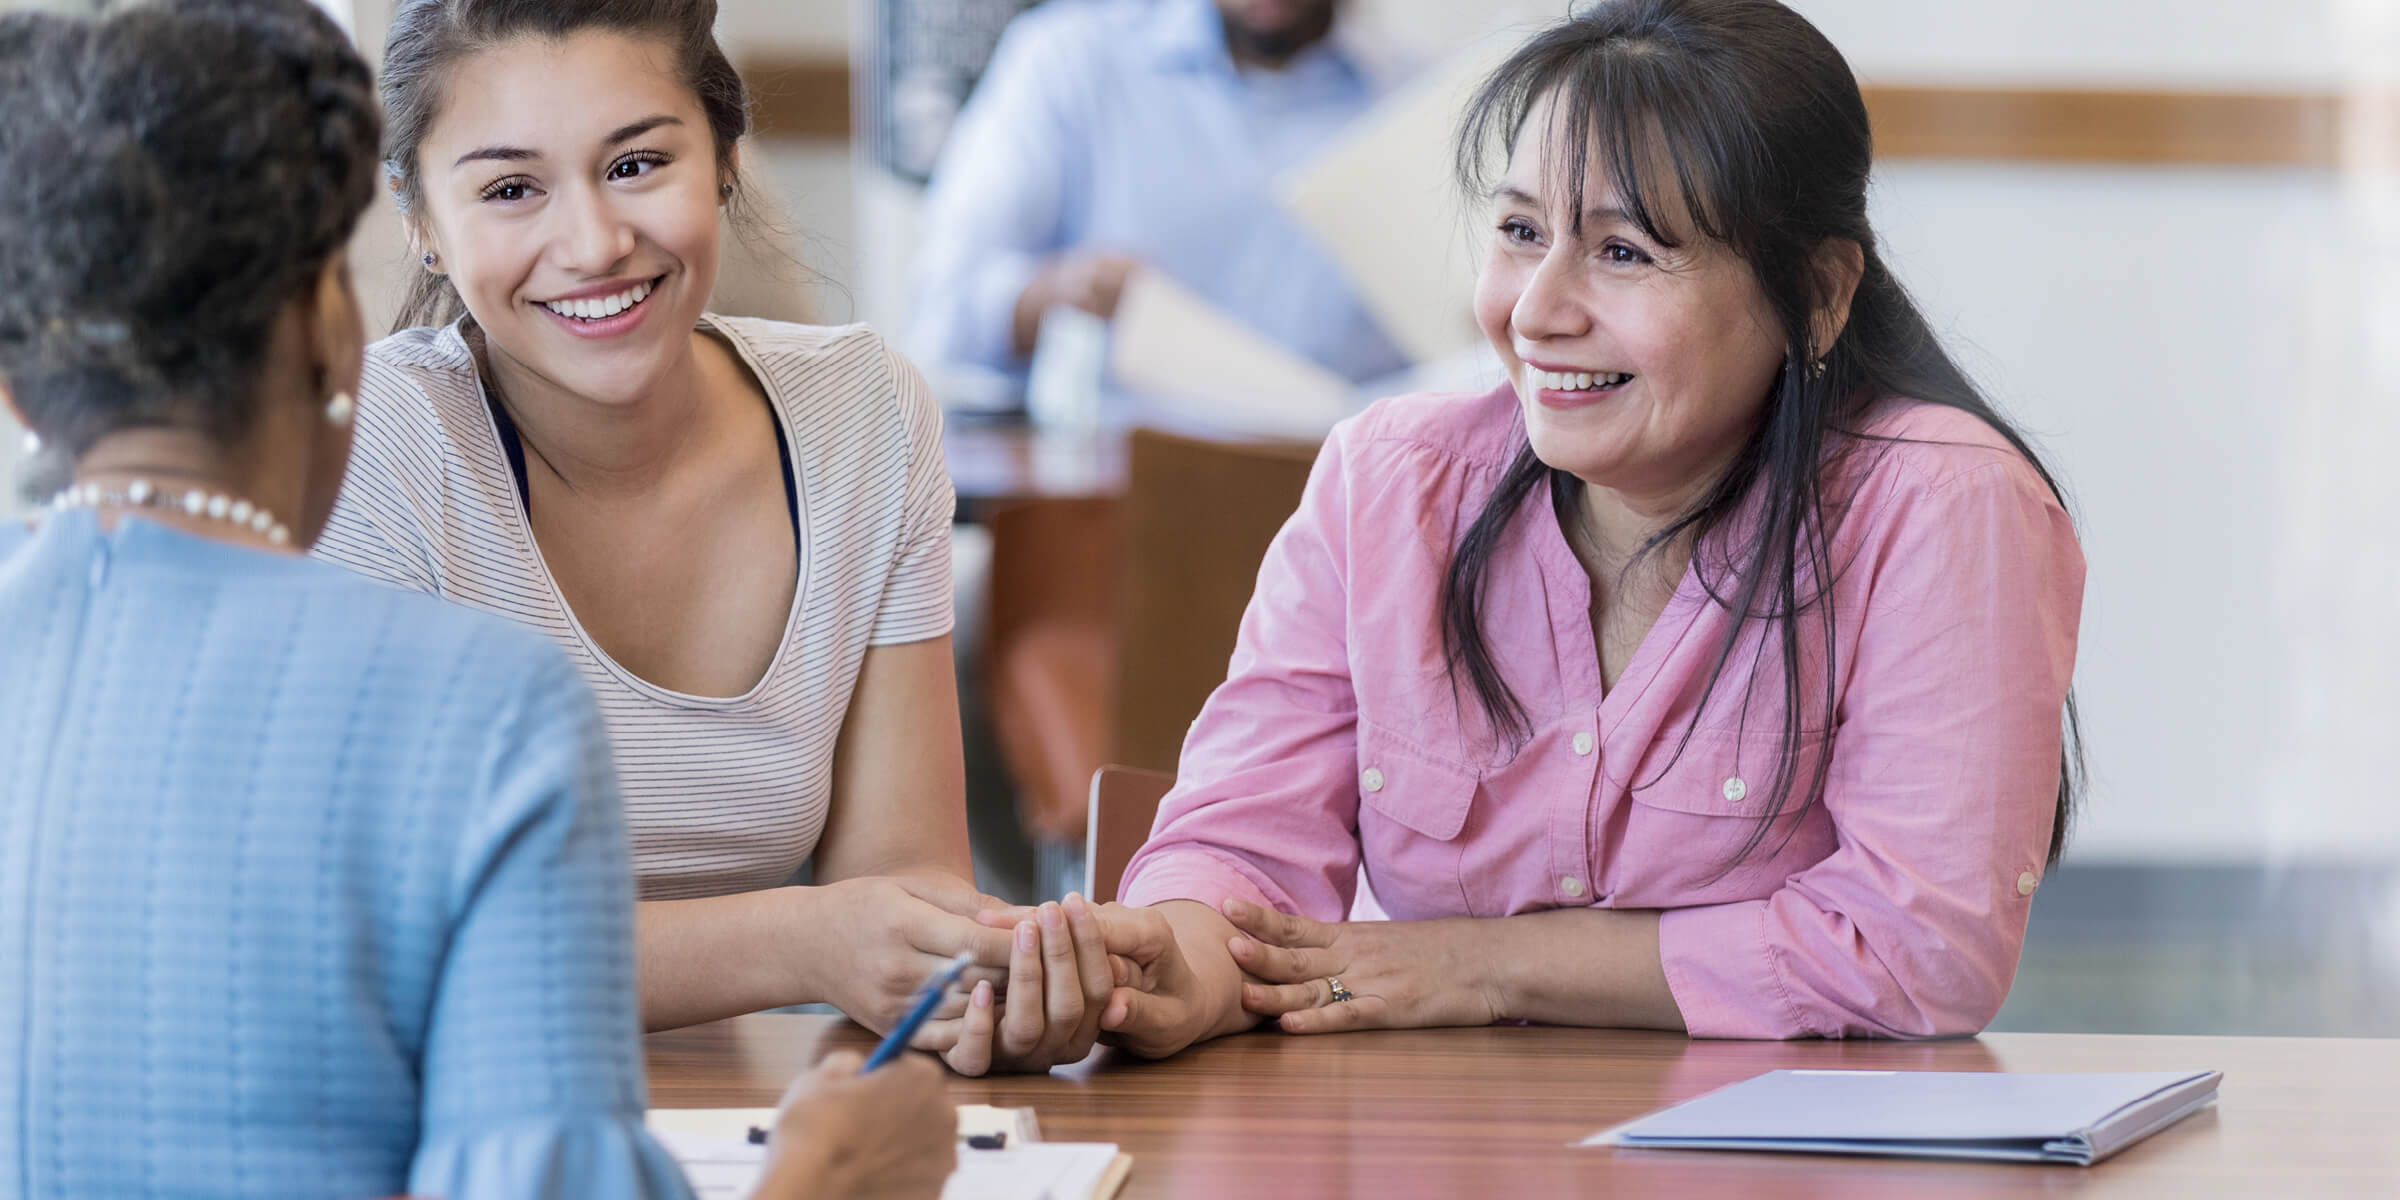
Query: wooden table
<point x="1492" y="1112"/>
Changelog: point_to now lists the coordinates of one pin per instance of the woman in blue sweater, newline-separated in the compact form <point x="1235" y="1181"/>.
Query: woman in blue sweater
<point x="309" y="886"/>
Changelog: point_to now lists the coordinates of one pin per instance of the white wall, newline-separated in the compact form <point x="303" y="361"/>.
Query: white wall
<point x="2199" y="350"/>
<point x="2188" y="346"/>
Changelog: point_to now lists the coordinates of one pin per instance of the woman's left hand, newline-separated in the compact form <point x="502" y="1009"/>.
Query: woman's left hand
<point x="1398" y="974"/>
<point x="1059" y="982"/>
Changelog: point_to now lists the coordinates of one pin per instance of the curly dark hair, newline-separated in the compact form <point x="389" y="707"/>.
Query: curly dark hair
<point x="171" y="176"/>
<point x="428" y="38"/>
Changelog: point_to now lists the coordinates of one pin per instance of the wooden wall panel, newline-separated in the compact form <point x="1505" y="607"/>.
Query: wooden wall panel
<point x="2115" y="127"/>
<point x="803" y="98"/>
<point x="808" y="97"/>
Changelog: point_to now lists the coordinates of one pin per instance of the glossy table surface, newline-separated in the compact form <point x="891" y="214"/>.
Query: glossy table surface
<point x="1494" y="1111"/>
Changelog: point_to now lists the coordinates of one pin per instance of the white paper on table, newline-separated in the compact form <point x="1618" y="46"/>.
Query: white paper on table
<point x="735" y="1124"/>
<point x="1383" y="203"/>
<point x="712" y="1146"/>
<point x="1196" y="364"/>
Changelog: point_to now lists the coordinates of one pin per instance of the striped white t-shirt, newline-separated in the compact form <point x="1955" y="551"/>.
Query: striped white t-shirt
<point x="721" y="794"/>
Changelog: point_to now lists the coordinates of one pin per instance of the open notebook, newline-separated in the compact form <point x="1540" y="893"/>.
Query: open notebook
<point x="713" y="1146"/>
<point x="2004" y="1117"/>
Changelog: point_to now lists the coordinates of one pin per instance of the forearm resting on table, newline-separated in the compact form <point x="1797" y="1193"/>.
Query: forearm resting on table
<point x="1580" y="966"/>
<point x="704" y="960"/>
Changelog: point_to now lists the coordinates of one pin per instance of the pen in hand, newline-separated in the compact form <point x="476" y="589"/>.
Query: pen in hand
<point x="929" y="997"/>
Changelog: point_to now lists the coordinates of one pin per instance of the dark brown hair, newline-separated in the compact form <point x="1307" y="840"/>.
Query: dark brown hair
<point x="1741" y="117"/>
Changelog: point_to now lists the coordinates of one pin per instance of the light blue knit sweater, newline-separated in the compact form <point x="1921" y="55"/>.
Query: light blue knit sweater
<point x="308" y="887"/>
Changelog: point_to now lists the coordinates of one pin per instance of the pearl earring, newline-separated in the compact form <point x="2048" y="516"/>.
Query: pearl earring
<point x="340" y="409"/>
<point x="33" y="443"/>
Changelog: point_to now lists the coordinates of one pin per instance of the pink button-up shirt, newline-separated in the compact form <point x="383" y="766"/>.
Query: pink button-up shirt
<point x="1896" y="907"/>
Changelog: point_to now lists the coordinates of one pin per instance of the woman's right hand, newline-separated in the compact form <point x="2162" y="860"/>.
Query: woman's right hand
<point x="879" y="937"/>
<point x="839" y="1133"/>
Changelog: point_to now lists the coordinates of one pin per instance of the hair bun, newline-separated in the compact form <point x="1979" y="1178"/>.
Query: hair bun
<point x="173" y="174"/>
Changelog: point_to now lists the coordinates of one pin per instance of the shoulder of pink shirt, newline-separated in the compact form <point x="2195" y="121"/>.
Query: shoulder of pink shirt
<point x="1927" y="445"/>
<point x="1906" y="442"/>
<point x="1480" y="427"/>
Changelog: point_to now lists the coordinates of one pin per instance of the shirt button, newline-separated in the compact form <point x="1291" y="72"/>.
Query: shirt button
<point x="1571" y="886"/>
<point x="1372" y="780"/>
<point x="1583" y="743"/>
<point x="2026" y="883"/>
<point x="1735" y="789"/>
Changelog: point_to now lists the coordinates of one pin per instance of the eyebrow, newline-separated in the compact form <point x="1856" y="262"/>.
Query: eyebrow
<point x="623" y="133"/>
<point x="1595" y="215"/>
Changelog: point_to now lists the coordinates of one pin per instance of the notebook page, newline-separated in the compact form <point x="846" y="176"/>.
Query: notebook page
<point x="723" y="1169"/>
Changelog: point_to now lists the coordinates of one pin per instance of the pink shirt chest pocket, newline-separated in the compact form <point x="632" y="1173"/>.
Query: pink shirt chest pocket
<point x="1673" y="831"/>
<point x="1412" y="812"/>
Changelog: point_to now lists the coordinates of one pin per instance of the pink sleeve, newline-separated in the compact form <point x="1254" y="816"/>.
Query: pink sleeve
<point x="1265" y="805"/>
<point x="1942" y="786"/>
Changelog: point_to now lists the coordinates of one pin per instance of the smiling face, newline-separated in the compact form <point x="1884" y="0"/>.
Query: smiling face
<point x="571" y="191"/>
<point x="1640" y="367"/>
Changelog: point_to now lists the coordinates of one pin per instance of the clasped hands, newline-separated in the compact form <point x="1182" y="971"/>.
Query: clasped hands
<point x="1033" y="998"/>
<point x="1154" y="980"/>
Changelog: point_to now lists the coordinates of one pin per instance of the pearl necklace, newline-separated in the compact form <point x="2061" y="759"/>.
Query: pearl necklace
<point x="212" y="506"/>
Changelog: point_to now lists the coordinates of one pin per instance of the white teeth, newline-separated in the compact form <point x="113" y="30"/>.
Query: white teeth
<point x="1573" y="381"/>
<point x="605" y="306"/>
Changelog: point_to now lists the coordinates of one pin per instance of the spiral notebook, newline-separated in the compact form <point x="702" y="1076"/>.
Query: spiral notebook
<point x="2075" y="1120"/>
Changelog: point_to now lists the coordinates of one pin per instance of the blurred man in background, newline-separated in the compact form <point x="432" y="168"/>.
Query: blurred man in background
<point x="1113" y="134"/>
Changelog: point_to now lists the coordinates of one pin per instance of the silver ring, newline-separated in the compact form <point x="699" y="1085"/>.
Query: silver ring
<point x="1341" y="995"/>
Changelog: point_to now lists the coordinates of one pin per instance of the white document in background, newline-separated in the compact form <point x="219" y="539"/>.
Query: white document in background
<point x="1197" y="365"/>
<point x="1384" y="204"/>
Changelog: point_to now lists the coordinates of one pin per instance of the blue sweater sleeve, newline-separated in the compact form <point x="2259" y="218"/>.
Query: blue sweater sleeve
<point x="532" y="1069"/>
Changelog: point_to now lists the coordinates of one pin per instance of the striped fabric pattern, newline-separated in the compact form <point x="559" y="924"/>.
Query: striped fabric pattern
<point x="722" y="794"/>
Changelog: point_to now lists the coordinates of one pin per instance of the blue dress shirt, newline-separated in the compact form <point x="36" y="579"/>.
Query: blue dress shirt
<point x="1124" y="126"/>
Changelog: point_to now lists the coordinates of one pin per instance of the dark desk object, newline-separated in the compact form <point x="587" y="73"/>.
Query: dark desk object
<point x="1493" y="1111"/>
<point x="995" y="460"/>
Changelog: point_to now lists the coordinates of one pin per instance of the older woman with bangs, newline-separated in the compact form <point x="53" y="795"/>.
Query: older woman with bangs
<point x="1710" y="675"/>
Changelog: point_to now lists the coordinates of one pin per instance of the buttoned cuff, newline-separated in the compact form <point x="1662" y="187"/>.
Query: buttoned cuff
<point x="1721" y="970"/>
<point x="1191" y="875"/>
